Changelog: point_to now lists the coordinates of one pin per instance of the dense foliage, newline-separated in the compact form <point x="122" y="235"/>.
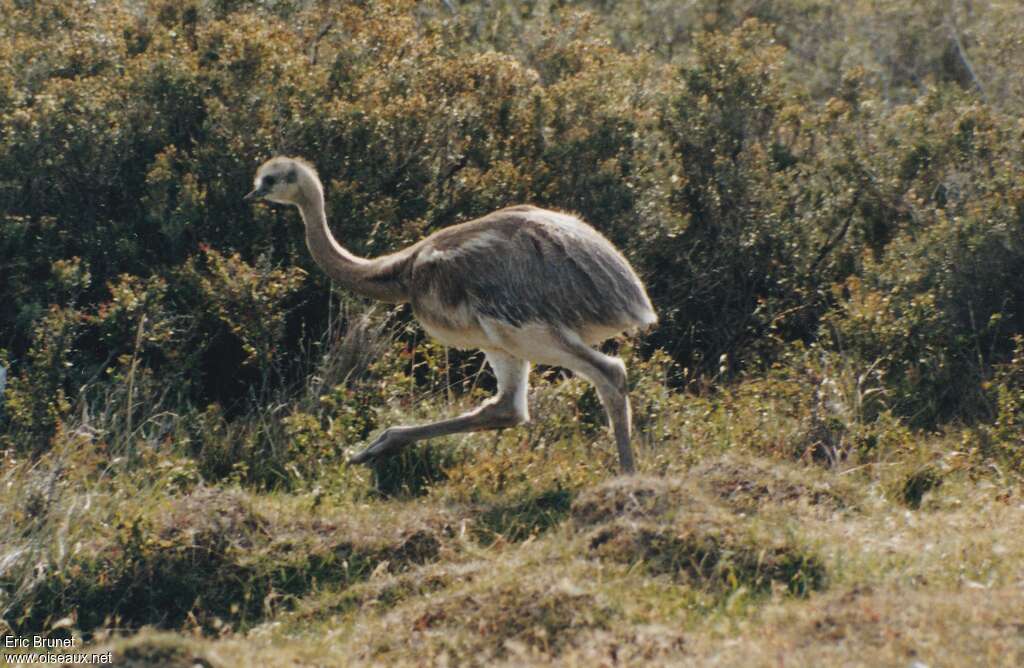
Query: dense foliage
<point x="787" y="176"/>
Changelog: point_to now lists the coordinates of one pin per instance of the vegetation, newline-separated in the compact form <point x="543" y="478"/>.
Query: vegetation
<point x="825" y="200"/>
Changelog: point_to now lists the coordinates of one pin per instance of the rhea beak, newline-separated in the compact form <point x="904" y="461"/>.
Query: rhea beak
<point x="254" y="195"/>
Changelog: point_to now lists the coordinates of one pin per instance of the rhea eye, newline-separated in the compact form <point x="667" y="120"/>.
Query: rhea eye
<point x="268" y="181"/>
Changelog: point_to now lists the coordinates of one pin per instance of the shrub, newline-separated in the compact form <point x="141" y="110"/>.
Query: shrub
<point x="770" y="189"/>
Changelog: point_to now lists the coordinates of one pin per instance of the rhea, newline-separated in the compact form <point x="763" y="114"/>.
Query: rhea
<point x="523" y="284"/>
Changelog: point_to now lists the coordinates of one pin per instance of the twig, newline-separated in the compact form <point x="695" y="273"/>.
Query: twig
<point x="315" y="45"/>
<point x="961" y="52"/>
<point x="831" y="243"/>
<point x="131" y="382"/>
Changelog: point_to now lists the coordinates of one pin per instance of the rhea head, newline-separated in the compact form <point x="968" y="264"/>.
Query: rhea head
<point x="285" y="181"/>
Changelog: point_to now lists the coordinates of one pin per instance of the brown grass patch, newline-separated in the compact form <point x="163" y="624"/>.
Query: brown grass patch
<point x="518" y="607"/>
<point x="965" y="627"/>
<point x="671" y="528"/>
<point x="637" y="498"/>
<point x="164" y="650"/>
<point x="747" y="484"/>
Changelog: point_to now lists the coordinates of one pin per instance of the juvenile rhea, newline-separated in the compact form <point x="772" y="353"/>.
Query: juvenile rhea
<point x="522" y="284"/>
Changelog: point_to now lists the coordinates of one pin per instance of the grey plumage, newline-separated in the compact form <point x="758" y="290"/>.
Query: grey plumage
<point x="532" y="265"/>
<point x="523" y="284"/>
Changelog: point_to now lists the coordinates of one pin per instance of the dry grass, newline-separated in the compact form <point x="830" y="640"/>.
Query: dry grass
<point x="690" y="569"/>
<point x="527" y="550"/>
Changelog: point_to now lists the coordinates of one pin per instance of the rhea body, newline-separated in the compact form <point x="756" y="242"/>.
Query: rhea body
<point x="523" y="284"/>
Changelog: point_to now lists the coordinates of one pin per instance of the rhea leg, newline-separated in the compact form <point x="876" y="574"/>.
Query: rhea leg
<point x="608" y="375"/>
<point x="507" y="409"/>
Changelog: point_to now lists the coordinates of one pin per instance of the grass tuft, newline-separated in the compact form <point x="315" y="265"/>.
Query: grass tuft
<point x="672" y="529"/>
<point x="749" y="484"/>
<point x="165" y="650"/>
<point x="211" y="559"/>
<point x="495" y="616"/>
<point x="918" y="483"/>
<point x="520" y="519"/>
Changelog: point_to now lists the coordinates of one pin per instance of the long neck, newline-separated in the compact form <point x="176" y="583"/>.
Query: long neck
<point x="377" y="278"/>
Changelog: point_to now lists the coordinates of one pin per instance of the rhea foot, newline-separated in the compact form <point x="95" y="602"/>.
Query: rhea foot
<point x="389" y="442"/>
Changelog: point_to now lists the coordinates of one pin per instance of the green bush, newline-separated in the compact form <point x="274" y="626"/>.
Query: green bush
<point x="771" y="188"/>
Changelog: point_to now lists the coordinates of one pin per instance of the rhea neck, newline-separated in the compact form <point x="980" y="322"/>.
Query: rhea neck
<point x="374" y="278"/>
